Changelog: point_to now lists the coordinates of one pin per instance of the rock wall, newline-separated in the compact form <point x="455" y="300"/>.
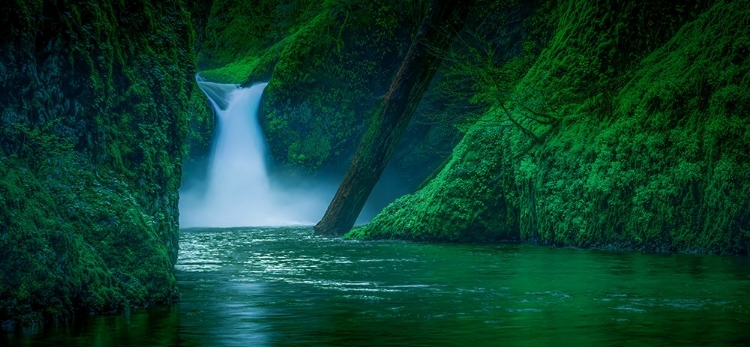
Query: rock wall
<point x="329" y="65"/>
<point x="94" y="100"/>
<point x="629" y="131"/>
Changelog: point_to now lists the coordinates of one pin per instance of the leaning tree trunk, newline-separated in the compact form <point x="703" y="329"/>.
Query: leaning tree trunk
<point x="443" y="20"/>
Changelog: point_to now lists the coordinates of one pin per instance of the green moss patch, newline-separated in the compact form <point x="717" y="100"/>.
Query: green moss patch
<point x="94" y="111"/>
<point x="648" y="152"/>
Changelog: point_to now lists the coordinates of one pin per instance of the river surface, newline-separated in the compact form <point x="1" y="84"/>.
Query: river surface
<point x="285" y="287"/>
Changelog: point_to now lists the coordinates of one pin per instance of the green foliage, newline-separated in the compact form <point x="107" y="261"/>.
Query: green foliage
<point x="237" y="30"/>
<point x="327" y="79"/>
<point x="651" y="152"/>
<point x="328" y="63"/>
<point x="490" y="55"/>
<point x="94" y="109"/>
<point x="75" y="239"/>
<point x="462" y="203"/>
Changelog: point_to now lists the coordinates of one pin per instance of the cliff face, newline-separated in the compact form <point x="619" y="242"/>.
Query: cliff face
<point x="629" y="131"/>
<point x="94" y="102"/>
<point x="329" y="65"/>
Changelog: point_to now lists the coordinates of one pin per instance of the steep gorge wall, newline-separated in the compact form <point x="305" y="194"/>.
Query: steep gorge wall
<point x="94" y="101"/>
<point x="646" y="147"/>
<point x="329" y="64"/>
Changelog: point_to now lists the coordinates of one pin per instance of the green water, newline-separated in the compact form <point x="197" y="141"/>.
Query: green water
<point x="284" y="287"/>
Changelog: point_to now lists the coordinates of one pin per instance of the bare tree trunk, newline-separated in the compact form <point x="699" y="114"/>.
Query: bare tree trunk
<point x="443" y="19"/>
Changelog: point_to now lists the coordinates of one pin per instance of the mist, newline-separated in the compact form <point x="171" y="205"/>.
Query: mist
<point x="238" y="190"/>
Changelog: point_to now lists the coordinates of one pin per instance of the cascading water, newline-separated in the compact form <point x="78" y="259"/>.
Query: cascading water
<point x="238" y="191"/>
<point x="238" y="181"/>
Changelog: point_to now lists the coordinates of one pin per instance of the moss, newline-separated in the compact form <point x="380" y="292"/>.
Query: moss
<point x="328" y="65"/>
<point x="454" y="206"/>
<point x="647" y="152"/>
<point x="327" y="79"/>
<point x="94" y="112"/>
<point x="77" y="240"/>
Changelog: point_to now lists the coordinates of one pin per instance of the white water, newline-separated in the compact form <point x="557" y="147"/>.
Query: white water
<point x="238" y="191"/>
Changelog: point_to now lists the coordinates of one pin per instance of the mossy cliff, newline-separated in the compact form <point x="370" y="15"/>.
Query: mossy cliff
<point x="94" y="102"/>
<point x="328" y="79"/>
<point x="329" y="64"/>
<point x="630" y="130"/>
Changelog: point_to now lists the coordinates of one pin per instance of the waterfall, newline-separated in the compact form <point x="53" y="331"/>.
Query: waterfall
<point x="238" y="182"/>
<point x="237" y="190"/>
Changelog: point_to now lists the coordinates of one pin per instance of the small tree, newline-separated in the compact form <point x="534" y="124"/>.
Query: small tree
<point x="486" y="62"/>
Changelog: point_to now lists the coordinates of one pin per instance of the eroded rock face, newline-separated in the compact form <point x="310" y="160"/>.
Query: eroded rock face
<point x="649" y="151"/>
<point x="94" y="101"/>
<point x="329" y="66"/>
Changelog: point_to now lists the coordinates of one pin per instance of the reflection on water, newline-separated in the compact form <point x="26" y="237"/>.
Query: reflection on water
<point x="284" y="287"/>
<point x="157" y="328"/>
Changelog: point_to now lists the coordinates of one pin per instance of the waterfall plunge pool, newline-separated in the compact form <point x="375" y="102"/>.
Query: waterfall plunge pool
<point x="281" y="286"/>
<point x="285" y="287"/>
